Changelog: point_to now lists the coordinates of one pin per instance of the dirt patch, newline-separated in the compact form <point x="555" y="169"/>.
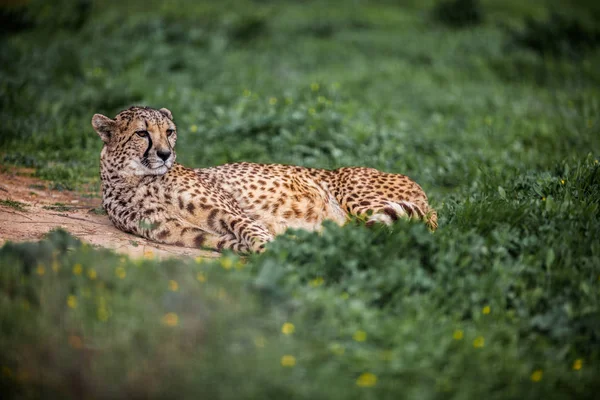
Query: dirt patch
<point x="29" y="210"/>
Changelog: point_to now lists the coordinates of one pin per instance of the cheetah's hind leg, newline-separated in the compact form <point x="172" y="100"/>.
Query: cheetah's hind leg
<point x="394" y="210"/>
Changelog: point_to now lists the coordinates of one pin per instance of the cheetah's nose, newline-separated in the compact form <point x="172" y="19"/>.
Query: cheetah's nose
<point x="164" y="155"/>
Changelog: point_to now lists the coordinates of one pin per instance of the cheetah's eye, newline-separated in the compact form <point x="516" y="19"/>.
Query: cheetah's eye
<point x="170" y="132"/>
<point x="142" y="133"/>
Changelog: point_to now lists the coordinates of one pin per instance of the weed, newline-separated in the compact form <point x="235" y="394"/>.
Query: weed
<point x="59" y="207"/>
<point x="17" y="205"/>
<point x="98" y="211"/>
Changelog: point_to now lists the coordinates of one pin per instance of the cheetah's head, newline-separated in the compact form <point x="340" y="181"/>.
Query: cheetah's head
<point x="139" y="141"/>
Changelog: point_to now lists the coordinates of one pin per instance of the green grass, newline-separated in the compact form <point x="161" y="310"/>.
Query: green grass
<point x="503" y="133"/>
<point x="59" y="207"/>
<point x="17" y="205"/>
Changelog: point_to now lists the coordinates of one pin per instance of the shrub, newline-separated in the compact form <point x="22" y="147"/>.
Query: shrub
<point x="458" y="13"/>
<point x="557" y="36"/>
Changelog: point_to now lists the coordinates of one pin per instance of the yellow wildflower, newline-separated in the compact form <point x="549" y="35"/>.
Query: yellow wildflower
<point x="92" y="274"/>
<point x="40" y="270"/>
<point x="360" y="336"/>
<point x="345" y="296"/>
<point x="273" y="101"/>
<point x="577" y="364"/>
<point x="458" y="334"/>
<point x="314" y="86"/>
<point x="102" y="314"/>
<point x="312" y="111"/>
<point x="366" y="379"/>
<point x="316" y="282"/>
<point x="288" y="361"/>
<point x="486" y="310"/>
<point x="537" y="375"/>
<point x="148" y="254"/>
<point x="55" y="266"/>
<point x="562" y="181"/>
<point x="194" y="128"/>
<point x="201" y="277"/>
<point x="226" y="263"/>
<point x="288" y="328"/>
<point x="170" y="319"/>
<point x="478" y="342"/>
<point x="72" y="301"/>
<point x="199" y="260"/>
<point x="120" y="272"/>
<point x="173" y="286"/>
<point x="247" y="93"/>
<point x="77" y="269"/>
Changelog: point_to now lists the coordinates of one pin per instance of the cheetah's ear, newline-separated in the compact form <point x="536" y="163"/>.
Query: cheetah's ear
<point x="167" y="113"/>
<point x="104" y="126"/>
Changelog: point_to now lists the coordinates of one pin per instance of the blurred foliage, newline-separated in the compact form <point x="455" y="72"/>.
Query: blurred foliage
<point x="557" y="36"/>
<point x="507" y="287"/>
<point x="458" y="13"/>
<point x="503" y="301"/>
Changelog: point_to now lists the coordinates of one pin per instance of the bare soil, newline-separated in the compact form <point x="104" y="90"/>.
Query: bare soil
<point x="80" y="214"/>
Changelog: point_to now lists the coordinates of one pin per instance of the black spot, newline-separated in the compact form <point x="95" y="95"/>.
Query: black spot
<point x="163" y="234"/>
<point x="190" y="207"/>
<point x="390" y="211"/>
<point x="199" y="240"/>
<point x="211" y="218"/>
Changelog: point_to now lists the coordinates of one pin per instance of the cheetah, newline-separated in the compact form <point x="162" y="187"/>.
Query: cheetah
<point x="240" y="206"/>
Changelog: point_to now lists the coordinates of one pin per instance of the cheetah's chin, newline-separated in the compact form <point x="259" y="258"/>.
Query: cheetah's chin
<point x="159" y="170"/>
<point x="146" y="171"/>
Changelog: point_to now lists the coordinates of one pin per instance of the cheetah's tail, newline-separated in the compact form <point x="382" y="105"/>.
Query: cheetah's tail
<point x="404" y="209"/>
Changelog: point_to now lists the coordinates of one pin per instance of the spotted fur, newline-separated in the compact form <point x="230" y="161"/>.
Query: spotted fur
<point x="239" y="206"/>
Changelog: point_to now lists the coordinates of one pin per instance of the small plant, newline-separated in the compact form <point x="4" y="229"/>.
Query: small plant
<point x="59" y="207"/>
<point x="98" y="211"/>
<point x="17" y="205"/>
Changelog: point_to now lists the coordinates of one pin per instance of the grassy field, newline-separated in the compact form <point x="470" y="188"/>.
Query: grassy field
<point x="492" y="106"/>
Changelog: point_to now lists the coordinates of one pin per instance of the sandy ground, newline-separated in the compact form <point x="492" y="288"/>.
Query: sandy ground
<point x="75" y="213"/>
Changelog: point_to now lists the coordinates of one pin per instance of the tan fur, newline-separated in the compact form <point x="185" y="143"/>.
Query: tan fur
<point x="237" y="206"/>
